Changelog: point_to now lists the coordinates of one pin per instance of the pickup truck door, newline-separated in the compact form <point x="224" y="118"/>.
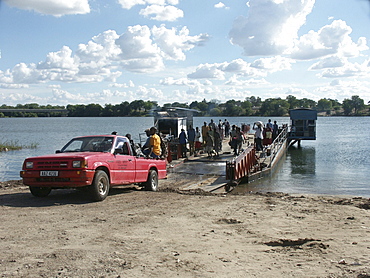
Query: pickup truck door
<point x="124" y="164"/>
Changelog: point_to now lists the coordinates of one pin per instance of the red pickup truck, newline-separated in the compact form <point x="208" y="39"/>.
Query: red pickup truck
<point x="93" y="162"/>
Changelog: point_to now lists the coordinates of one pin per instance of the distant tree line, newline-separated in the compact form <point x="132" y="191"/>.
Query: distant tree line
<point x="251" y="106"/>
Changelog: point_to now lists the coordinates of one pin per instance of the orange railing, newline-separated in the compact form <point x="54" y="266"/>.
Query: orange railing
<point x="276" y="145"/>
<point x="242" y="165"/>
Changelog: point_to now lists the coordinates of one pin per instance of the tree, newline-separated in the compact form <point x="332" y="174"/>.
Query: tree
<point x="124" y="109"/>
<point x="256" y="102"/>
<point x="178" y="104"/>
<point x="324" y="105"/>
<point x="247" y="106"/>
<point x="31" y="106"/>
<point x="347" y="107"/>
<point x="293" y="102"/>
<point x="233" y="108"/>
<point x="215" y="112"/>
<point x="108" y="110"/>
<point x="357" y="103"/>
<point x="335" y="104"/>
<point x="137" y="105"/>
<point x="307" y="103"/>
<point x="77" y="110"/>
<point x="148" y="105"/>
<point x="93" y="110"/>
<point x="274" y="107"/>
<point x="203" y="107"/>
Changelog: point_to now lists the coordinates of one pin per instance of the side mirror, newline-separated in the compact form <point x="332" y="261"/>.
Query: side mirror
<point x="118" y="151"/>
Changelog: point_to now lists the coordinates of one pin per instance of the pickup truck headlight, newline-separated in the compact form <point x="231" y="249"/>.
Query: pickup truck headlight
<point x="29" y="164"/>
<point x="79" y="164"/>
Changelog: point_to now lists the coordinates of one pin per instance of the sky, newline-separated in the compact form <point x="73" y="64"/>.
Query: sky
<point x="63" y="52"/>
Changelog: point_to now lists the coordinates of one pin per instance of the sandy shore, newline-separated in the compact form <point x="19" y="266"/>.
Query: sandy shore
<point x="134" y="233"/>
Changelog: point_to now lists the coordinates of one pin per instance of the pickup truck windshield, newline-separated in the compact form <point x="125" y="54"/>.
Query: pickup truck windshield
<point x="89" y="144"/>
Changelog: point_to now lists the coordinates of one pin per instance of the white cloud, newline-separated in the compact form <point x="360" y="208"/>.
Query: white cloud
<point x="23" y="73"/>
<point x="105" y="96"/>
<point x="271" y="26"/>
<point x="52" y="7"/>
<point x="145" y="93"/>
<point x="128" y="4"/>
<point x="169" y="81"/>
<point x="273" y="64"/>
<point x="162" y="13"/>
<point x="6" y="76"/>
<point x="329" y="40"/>
<point x="341" y="89"/>
<point x="145" y="49"/>
<point x="221" y="5"/>
<point x="62" y="59"/>
<point x="63" y="66"/>
<point x="258" y="68"/>
<point x="238" y="65"/>
<point x="235" y="81"/>
<point x="15" y="98"/>
<point x="66" y="97"/>
<point x="160" y="10"/>
<point x="329" y="62"/>
<point x="173" y="2"/>
<point x="136" y="43"/>
<point x="100" y="49"/>
<point x="207" y="71"/>
<point x="102" y="97"/>
<point x="13" y="86"/>
<point x="174" y="45"/>
<point x="348" y="70"/>
<point x="241" y="67"/>
<point x="301" y="93"/>
<point x="139" y="49"/>
<point x="54" y="86"/>
<point x="124" y="85"/>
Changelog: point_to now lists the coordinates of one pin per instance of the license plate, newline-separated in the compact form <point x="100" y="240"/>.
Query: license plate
<point x="48" y="173"/>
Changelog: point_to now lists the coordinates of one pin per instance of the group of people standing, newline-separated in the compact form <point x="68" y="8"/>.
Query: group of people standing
<point x="265" y="135"/>
<point x="210" y="137"/>
<point x="211" y="140"/>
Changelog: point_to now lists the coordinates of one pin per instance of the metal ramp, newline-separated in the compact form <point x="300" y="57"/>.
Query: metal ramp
<point x="221" y="174"/>
<point x="211" y="172"/>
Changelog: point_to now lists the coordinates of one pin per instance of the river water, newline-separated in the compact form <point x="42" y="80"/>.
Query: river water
<point x="337" y="163"/>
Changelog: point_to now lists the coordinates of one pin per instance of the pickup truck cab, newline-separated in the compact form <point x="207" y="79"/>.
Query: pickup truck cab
<point x="96" y="163"/>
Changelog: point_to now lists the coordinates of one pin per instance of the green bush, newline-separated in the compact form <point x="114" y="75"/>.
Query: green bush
<point x="14" y="145"/>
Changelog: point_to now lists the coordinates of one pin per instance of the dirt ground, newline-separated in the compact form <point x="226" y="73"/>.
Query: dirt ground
<point x="134" y="233"/>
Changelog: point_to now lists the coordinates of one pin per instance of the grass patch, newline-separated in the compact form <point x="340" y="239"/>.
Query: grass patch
<point x="14" y="145"/>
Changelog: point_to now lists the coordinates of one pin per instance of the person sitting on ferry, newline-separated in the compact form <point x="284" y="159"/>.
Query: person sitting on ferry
<point x="147" y="142"/>
<point x="154" y="150"/>
<point x="132" y="144"/>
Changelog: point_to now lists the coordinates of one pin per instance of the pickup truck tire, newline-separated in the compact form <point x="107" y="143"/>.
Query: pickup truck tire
<point x="152" y="182"/>
<point x="40" y="191"/>
<point x="99" y="188"/>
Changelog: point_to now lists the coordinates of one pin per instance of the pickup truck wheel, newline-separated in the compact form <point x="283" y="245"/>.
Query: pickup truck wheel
<point x="152" y="182"/>
<point x="99" y="188"/>
<point x="40" y="191"/>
